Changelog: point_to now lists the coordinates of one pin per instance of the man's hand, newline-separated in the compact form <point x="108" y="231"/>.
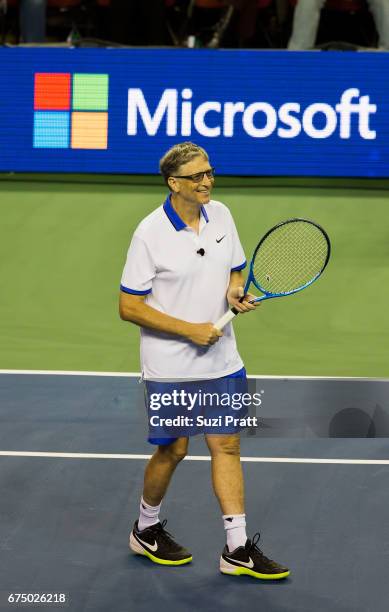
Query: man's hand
<point x="234" y="294"/>
<point x="203" y="334"/>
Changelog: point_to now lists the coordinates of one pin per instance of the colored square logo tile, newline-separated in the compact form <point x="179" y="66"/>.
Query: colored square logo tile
<point x="89" y="130"/>
<point x="52" y="91"/>
<point x="90" y="92"/>
<point x="51" y="130"/>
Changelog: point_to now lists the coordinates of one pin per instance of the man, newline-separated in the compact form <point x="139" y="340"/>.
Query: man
<point x="184" y="264"/>
<point x="32" y="20"/>
<point x="307" y="16"/>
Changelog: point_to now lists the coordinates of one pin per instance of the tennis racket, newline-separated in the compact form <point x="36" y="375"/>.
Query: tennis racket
<point x="289" y="258"/>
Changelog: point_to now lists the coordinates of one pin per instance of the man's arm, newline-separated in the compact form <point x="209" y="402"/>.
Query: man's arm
<point x="235" y="292"/>
<point x="133" y="308"/>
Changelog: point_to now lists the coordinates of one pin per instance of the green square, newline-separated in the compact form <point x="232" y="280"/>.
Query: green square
<point x="90" y="92"/>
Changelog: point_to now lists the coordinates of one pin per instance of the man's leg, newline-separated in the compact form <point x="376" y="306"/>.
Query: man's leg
<point x="160" y="468"/>
<point x="380" y="10"/>
<point x="227" y="475"/>
<point x="148" y="536"/>
<point x="227" y="480"/>
<point x="32" y="18"/>
<point x="241" y="555"/>
<point x="305" y="24"/>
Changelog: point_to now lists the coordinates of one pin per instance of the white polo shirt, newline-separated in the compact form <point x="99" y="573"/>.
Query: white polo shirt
<point x="163" y="264"/>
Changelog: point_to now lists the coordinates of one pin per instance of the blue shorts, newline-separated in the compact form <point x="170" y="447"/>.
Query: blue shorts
<point x="240" y="374"/>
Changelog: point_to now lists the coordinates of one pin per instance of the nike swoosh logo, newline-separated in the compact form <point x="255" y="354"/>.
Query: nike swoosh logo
<point x="250" y="564"/>
<point x="154" y="547"/>
<point x="220" y="239"/>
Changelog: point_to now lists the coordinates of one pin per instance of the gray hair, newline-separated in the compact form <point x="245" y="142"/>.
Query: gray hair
<point x="177" y="156"/>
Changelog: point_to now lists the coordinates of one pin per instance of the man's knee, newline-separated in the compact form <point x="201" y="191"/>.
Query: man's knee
<point x="176" y="451"/>
<point x="227" y="445"/>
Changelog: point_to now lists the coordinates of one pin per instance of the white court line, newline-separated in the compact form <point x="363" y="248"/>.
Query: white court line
<point x="197" y="458"/>
<point x="71" y="373"/>
<point x="138" y="375"/>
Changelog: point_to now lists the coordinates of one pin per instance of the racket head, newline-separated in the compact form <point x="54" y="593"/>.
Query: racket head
<point x="289" y="257"/>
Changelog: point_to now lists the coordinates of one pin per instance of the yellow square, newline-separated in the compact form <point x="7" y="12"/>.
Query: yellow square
<point x="89" y="130"/>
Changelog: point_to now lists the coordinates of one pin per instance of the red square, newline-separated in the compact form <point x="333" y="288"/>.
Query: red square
<point x="52" y="91"/>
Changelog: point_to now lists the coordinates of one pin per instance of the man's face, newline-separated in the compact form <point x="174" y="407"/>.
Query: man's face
<point x="190" y="190"/>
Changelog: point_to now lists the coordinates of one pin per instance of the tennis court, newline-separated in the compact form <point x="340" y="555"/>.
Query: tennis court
<point x="68" y="503"/>
<point x="73" y="446"/>
<point x="63" y="247"/>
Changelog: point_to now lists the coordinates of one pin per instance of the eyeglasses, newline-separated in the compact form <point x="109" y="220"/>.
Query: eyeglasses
<point x="198" y="177"/>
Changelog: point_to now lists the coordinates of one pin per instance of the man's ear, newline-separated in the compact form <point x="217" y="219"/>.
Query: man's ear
<point x="173" y="184"/>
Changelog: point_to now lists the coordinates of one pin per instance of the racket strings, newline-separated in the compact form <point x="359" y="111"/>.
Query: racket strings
<point x="291" y="256"/>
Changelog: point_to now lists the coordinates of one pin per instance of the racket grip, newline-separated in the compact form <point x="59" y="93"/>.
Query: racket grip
<point x="226" y="318"/>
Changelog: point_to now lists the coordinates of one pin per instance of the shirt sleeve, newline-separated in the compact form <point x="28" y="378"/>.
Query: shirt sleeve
<point x="238" y="259"/>
<point x="139" y="269"/>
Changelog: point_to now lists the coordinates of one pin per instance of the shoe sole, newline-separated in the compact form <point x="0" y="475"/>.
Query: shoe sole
<point x="234" y="570"/>
<point x="139" y="550"/>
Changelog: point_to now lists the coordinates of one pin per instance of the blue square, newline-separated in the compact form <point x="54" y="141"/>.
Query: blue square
<point x="51" y="130"/>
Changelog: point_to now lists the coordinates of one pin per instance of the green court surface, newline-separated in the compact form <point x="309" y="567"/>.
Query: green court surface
<point x="63" y="247"/>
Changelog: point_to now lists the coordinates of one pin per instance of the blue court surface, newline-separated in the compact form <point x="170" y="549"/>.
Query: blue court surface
<point x="73" y="452"/>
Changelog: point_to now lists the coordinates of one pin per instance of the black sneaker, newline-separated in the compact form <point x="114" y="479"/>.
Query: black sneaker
<point x="158" y="545"/>
<point x="250" y="560"/>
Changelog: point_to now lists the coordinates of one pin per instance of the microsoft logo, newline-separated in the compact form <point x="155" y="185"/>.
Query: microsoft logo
<point x="70" y="111"/>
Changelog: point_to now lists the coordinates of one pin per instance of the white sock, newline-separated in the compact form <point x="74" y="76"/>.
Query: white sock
<point x="235" y="526"/>
<point x="148" y="515"/>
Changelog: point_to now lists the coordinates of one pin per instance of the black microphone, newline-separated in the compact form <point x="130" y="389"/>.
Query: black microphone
<point x="200" y="252"/>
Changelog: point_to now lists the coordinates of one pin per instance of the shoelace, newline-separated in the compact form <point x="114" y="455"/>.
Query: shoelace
<point x="162" y="531"/>
<point x="256" y="549"/>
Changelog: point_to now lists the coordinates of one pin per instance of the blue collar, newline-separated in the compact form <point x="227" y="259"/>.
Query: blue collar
<point x="174" y="218"/>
